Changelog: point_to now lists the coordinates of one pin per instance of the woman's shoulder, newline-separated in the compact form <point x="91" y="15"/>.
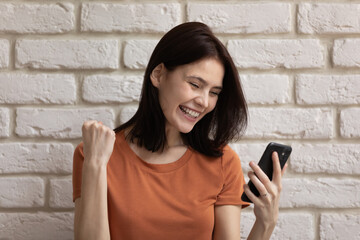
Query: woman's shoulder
<point x="228" y="152"/>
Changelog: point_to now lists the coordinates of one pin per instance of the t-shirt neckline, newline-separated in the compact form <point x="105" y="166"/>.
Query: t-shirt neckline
<point x="157" y="167"/>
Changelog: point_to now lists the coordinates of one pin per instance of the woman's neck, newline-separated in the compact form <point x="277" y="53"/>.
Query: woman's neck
<point x="173" y="137"/>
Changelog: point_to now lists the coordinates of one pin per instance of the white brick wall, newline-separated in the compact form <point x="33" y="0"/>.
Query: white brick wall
<point x="61" y="193"/>
<point x="320" y="193"/>
<point x="346" y="53"/>
<point x="289" y="226"/>
<point x="276" y="53"/>
<point x="110" y="88"/>
<point x="4" y="122"/>
<point x="109" y="17"/>
<point x="36" y="158"/>
<point x="292" y="123"/>
<point x="278" y="86"/>
<point x="242" y="18"/>
<point x="339" y="226"/>
<point x="37" y="18"/>
<point x="4" y="53"/>
<point x="349" y="123"/>
<point x="137" y="53"/>
<point x="73" y="54"/>
<point x="22" y="192"/>
<point x="40" y="225"/>
<point x="326" y="158"/>
<point x="62" y="63"/>
<point x="39" y="88"/>
<point x="328" y="89"/>
<point x="328" y="18"/>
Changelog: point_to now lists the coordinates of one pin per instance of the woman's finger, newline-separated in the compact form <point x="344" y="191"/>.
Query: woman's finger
<point x="260" y="173"/>
<point x="251" y="195"/>
<point x="284" y="169"/>
<point x="257" y="183"/>
<point x="276" y="168"/>
<point x="87" y="124"/>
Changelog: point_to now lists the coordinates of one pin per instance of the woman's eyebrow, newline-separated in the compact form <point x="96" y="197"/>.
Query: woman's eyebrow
<point x="203" y="81"/>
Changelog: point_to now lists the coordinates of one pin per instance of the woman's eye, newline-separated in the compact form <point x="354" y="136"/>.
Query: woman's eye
<point x="214" y="93"/>
<point x="194" y="85"/>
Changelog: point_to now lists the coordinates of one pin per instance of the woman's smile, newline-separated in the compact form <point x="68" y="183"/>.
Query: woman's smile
<point x="189" y="112"/>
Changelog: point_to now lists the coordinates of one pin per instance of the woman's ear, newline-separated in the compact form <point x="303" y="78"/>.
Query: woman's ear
<point x="157" y="75"/>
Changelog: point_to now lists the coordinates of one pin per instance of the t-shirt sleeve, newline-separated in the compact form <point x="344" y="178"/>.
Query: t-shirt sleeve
<point x="78" y="160"/>
<point x="233" y="180"/>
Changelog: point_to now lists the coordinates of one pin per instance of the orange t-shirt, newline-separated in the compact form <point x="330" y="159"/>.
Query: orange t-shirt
<point x="165" y="201"/>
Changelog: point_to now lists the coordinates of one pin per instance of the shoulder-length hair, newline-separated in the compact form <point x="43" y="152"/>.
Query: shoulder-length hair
<point x="184" y="44"/>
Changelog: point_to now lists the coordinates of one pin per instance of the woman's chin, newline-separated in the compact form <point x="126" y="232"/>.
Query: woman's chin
<point x="186" y="129"/>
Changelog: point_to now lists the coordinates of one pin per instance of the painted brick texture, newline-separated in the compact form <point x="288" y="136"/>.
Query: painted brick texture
<point x="62" y="63"/>
<point x="39" y="88"/>
<point x="4" y="53"/>
<point x="37" y="18"/>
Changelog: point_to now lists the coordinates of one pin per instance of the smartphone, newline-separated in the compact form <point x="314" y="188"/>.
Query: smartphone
<point x="266" y="164"/>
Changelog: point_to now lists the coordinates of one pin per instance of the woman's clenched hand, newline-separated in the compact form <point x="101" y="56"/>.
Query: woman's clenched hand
<point x="98" y="143"/>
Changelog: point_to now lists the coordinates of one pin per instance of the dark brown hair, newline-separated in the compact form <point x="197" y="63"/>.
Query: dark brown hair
<point x="184" y="44"/>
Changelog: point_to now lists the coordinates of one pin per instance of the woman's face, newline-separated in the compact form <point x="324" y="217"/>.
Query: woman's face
<point x="189" y="92"/>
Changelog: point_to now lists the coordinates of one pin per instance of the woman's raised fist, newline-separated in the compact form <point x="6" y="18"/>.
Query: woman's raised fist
<point x="98" y="142"/>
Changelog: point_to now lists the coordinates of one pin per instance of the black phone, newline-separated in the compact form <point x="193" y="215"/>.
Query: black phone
<point x="266" y="164"/>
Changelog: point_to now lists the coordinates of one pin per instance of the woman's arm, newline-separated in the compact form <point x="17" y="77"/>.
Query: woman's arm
<point x="227" y="222"/>
<point x="91" y="210"/>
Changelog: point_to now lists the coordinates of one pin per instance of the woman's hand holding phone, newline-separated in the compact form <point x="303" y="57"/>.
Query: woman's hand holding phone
<point x="266" y="206"/>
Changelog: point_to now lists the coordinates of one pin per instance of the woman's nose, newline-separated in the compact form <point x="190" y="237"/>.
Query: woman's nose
<point x="202" y="100"/>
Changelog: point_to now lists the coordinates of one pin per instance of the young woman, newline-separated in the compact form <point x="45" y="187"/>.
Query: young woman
<point x="168" y="172"/>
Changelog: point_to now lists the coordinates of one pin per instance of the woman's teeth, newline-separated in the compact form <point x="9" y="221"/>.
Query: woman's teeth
<point x="189" y="112"/>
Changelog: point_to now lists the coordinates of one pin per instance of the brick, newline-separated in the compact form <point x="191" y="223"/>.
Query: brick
<point x="320" y="193"/>
<point x="247" y="153"/>
<point x="339" y="226"/>
<point x="39" y="225"/>
<point x="266" y="88"/>
<point x="289" y="226"/>
<point x="58" y="123"/>
<point x="36" y="18"/>
<point x="138" y="52"/>
<point x="277" y="53"/>
<point x="328" y="89"/>
<point x="112" y="88"/>
<point x="4" y="122"/>
<point x="349" y="123"/>
<point x="326" y="158"/>
<point x="21" y="192"/>
<point x="242" y="18"/>
<point x="127" y="112"/>
<point x="61" y="193"/>
<point x="346" y="53"/>
<point x="294" y="123"/>
<point x="37" y="88"/>
<point x="36" y="158"/>
<point x="4" y="53"/>
<point x="67" y="54"/>
<point x="110" y="17"/>
<point x="328" y="18"/>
